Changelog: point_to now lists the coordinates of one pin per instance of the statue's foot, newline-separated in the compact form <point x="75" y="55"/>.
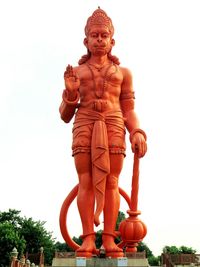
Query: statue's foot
<point x="88" y="248"/>
<point x="112" y="250"/>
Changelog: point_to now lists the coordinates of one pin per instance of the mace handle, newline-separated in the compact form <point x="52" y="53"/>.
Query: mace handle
<point x="135" y="183"/>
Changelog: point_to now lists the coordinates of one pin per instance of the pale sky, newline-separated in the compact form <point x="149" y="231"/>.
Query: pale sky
<point x="159" y="42"/>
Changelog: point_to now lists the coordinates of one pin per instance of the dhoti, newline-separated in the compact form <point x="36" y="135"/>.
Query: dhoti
<point x="99" y="134"/>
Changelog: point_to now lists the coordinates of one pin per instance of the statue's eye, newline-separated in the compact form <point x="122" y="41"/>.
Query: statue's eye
<point x="105" y="35"/>
<point x="93" y="35"/>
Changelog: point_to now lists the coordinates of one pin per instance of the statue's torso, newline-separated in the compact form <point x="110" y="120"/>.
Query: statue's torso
<point x="101" y="87"/>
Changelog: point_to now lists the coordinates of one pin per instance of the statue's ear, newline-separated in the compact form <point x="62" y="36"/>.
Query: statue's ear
<point x="112" y="42"/>
<point x="85" y="41"/>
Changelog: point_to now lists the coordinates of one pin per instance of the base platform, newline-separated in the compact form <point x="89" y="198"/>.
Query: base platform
<point x="99" y="262"/>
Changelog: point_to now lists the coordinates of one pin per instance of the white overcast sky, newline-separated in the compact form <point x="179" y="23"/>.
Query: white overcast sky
<point x="160" y="42"/>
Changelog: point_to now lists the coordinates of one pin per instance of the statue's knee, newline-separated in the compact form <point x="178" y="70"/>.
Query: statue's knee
<point x="112" y="182"/>
<point x="85" y="182"/>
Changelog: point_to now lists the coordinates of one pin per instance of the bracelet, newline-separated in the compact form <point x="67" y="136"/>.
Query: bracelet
<point x="137" y="130"/>
<point x="73" y="102"/>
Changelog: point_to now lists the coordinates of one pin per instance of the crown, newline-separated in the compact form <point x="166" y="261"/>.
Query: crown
<point x="99" y="17"/>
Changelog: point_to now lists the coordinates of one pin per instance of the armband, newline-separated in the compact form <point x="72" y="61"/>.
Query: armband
<point x="127" y="95"/>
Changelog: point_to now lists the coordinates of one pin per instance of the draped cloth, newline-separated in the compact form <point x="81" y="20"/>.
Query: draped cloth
<point x="99" y="149"/>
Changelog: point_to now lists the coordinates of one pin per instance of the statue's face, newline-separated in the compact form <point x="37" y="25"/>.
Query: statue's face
<point x="99" y="40"/>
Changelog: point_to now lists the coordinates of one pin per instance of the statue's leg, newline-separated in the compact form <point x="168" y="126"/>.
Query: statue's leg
<point x="85" y="202"/>
<point x="111" y="208"/>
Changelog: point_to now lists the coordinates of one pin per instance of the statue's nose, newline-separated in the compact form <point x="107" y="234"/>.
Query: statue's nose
<point x="99" y="39"/>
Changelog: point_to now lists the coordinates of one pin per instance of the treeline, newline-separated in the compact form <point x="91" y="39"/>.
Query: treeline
<point x="29" y="236"/>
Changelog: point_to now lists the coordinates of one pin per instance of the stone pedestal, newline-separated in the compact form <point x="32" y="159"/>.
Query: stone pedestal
<point x="99" y="262"/>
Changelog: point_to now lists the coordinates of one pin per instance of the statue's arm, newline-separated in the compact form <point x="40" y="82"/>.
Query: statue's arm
<point x="70" y="95"/>
<point x="127" y="101"/>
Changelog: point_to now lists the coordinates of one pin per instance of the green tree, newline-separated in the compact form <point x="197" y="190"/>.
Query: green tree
<point x="78" y="240"/>
<point x="187" y="250"/>
<point x="62" y="247"/>
<point x="36" y="236"/>
<point x="178" y="250"/>
<point x="143" y="247"/>
<point x="171" y="250"/>
<point x="153" y="260"/>
<point x="12" y="217"/>
<point x="98" y="240"/>
<point x="24" y="234"/>
<point x="9" y="238"/>
<point x="120" y="218"/>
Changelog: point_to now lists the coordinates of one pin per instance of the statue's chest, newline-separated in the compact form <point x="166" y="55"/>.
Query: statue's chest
<point x="111" y="76"/>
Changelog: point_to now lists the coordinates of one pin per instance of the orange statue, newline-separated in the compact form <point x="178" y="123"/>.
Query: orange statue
<point x="100" y="94"/>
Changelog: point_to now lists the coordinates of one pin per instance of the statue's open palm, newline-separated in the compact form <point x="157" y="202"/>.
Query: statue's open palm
<point x="72" y="82"/>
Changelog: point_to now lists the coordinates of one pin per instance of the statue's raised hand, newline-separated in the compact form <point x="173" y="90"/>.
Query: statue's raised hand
<point x="72" y="81"/>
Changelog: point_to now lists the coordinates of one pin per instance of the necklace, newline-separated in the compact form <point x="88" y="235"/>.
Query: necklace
<point x="106" y="78"/>
<point x="98" y="68"/>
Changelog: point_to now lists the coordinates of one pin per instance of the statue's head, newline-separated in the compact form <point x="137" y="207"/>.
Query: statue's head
<point x="99" y="31"/>
<point x="99" y="17"/>
<point x="99" y="40"/>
